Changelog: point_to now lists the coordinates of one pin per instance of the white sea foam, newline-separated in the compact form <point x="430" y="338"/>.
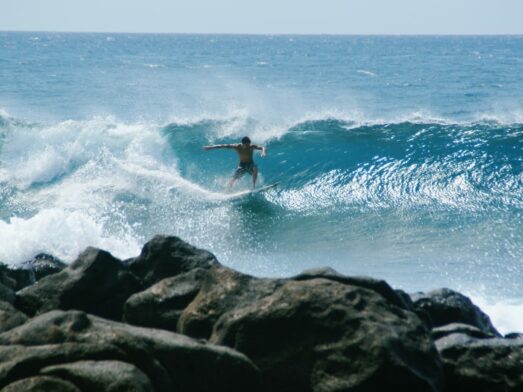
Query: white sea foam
<point x="40" y="155"/>
<point x="100" y="182"/>
<point x="233" y="112"/>
<point x="79" y="168"/>
<point x="154" y="65"/>
<point x="506" y="315"/>
<point x="357" y="118"/>
<point x="236" y="123"/>
<point x="62" y="233"/>
<point x="365" y="72"/>
<point x="503" y="117"/>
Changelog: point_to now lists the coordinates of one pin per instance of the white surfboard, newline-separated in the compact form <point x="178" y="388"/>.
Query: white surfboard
<point x="242" y="194"/>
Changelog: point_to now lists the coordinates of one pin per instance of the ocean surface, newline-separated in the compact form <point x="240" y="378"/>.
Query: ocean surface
<point x="398" y="157"/>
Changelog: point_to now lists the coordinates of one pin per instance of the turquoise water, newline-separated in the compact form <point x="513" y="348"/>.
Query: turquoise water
<point x="398" y="157"/>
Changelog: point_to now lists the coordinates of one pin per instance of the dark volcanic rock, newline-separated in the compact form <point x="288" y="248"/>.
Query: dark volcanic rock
<point x="482" y="365"/>
<point x="6" y="294"/>
<point x="465" y="329"/>
<point x="5" y="277"/>
<point x="191" y="303"/>
<point x="108" y="376"/>
<point x="380" y="286"/>
<point x="23" y="277"/>
<point x="96" y="282"/>
<point x="44" y="264"/>
<point x="64" y="344"/>
<point x="27" y="274"/>
<point x="319" y="331"/>
<point x="315" y="334"/>
<point x="445" y="306"/>
<point x="305" y="334"/>
<point x="165" y="257"/>
<point x="41" y="384"/>
<point x="222" y="290"/>
<point x="162" y="304"/>
<point x="16" y="278"/>
<point x="10" y="317"/>
<point x="320" y="335"/>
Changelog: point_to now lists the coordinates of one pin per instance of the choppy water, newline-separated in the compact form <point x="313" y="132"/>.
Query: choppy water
<point x="398" y="157"/>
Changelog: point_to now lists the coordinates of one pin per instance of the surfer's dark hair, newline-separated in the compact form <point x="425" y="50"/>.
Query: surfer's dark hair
<point x="246" y="140"/>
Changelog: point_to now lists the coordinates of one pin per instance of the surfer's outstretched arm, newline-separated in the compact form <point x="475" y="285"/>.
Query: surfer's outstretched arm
<point x="262" y="148"/>
<point x="220" y="146"/>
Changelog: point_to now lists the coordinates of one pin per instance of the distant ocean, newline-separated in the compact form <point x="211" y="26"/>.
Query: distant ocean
<point x="398" y="157"/>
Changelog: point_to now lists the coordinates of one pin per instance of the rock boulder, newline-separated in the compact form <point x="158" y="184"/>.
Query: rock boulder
<point x="445" y="306"/>
<point x="96" y="282"/>
<point x="320" y="335"/>
<point x="10" y="317"/>
<point x="161" y="305"/>
<point x="65" y="344"/>
<point x="166" y="256"/>
<point x="481" y="365"/>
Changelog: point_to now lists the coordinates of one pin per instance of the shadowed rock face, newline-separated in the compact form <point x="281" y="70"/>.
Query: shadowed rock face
<point x="319" y="331"/>
<point x="164" y="257"/>
<point x="394" y="297"/>
<point x="482" y="365"/>
<point x="17" y="278"/>
<point x="44" y="264"/>
<point x="5" y="277"/>
<point x="161" y="305"/>
<point x="102" y="376"/>
<point x="41" y="384"/>
<point x="305" y="334"/>
<point x="458" y="328"/>
<point x="96" y="282"/>
<point x="7" y="294"/>
<point x="10" y="317"/>
<point x="322" y="335"/>
<point x="65" y="344"/>
<point x="28" y="273"/>
<point x="445" y="306"/>
<point x="223" y="290"/>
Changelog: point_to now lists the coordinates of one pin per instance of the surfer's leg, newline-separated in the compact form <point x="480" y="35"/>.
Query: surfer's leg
<point x="240" y="171"/>
<point x="230" y="184"/>
<point x="254" y="176"/>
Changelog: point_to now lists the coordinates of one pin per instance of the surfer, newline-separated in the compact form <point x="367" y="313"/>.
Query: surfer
<point x="245" y="151"/>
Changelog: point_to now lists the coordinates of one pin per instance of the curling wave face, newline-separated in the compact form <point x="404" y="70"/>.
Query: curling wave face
<point x="397" y="157"/>
<point x="369" y="198"/>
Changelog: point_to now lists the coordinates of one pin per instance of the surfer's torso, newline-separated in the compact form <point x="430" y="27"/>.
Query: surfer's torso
<point x="245" y="152"/>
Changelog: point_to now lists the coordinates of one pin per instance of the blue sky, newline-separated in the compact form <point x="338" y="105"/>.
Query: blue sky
<point x="266" y="16"/>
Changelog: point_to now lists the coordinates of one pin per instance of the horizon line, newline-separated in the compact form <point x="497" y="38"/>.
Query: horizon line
<point x="265" y="34"/>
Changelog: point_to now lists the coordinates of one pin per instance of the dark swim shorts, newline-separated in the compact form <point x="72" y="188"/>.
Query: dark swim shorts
<point x="244" y="168"/>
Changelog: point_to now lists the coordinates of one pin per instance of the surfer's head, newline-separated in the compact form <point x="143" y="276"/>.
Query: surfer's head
<point x="246" y="140"/>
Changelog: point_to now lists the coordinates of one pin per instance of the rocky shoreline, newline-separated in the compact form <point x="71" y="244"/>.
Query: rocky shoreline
<point x="175" y="319"/>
